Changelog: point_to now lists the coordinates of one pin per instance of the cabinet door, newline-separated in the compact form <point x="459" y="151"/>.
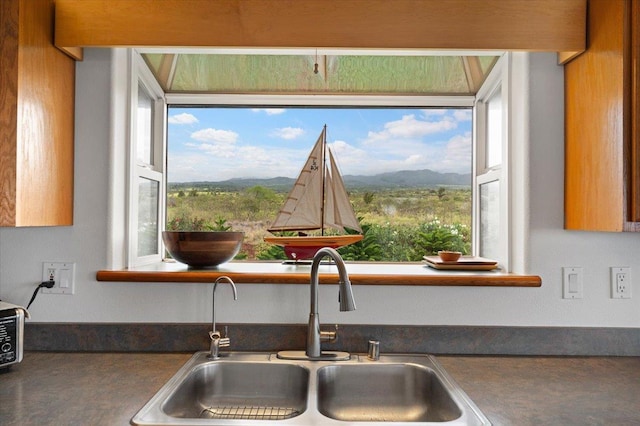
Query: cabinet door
<point x="599" y="189"/>
<point x="37" y="84"/>
<point x="635" y="112"/>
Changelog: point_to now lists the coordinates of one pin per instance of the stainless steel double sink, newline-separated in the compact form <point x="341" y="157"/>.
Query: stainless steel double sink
<point x="261" y="389"/>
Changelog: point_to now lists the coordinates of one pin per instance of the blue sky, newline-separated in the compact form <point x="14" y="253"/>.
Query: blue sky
<point x="215" y="144"/>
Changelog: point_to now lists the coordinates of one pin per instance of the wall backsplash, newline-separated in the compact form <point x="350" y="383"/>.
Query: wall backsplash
<point x="456" y="340"/>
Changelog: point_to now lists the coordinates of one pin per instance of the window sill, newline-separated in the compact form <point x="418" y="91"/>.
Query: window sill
<point x="360" y="273"/>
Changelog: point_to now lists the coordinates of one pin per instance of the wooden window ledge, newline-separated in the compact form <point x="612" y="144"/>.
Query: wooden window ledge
<point x="360" y="273"/>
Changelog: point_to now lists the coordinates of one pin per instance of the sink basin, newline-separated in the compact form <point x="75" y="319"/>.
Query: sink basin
<point x="240" y="390"/>
<point x="259" y="389"/>
<point x="384" y="393"/>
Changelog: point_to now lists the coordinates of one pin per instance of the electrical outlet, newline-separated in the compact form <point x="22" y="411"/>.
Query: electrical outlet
<point x="62" y="273"/>
<point x="620" y="282"/>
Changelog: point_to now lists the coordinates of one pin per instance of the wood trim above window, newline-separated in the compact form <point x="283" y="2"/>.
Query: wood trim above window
<point x="535" y="25"/>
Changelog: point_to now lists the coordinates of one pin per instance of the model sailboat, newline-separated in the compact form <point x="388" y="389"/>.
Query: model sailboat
<point x="318" y="201"/>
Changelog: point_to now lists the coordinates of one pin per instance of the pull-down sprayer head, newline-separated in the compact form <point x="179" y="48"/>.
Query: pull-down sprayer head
<point x="345" y="294"/>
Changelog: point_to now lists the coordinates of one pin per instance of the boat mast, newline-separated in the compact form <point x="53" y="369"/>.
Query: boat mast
<point x="324" y="182"/>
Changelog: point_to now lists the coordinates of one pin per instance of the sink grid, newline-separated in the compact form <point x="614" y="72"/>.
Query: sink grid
<point x="249" y="413"/>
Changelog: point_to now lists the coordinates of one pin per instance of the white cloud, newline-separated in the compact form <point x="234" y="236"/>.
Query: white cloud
<point x="215" y="136"/>
<point x="462" y="115"/>
<point x="415" y="159"/>
<point x="409" y="127"/>
<point x="349" y="157"/>
<point x="287" y="132"/>
<point x="187" y="167"/>
<point x="269" y="111"/>
<point x="214" y="149"/>
<point x="458" y="154"/>
<point x="219" y="162"/>
<point x="356" y="161"/>
<point x="413" y="142"/>
<point x="184" y="118"/>
<point x="253" y="161"/>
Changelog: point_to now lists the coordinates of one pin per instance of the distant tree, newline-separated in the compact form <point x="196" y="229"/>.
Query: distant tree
<point x="261" y="193"/>
<point x="368" y="197"/>
<point x="181" y="193"/>
<point x="440" y="193"/>
<point x="258" y="199"/>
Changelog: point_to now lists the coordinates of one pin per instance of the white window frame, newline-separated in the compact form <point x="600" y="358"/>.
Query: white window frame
<point x="497" y="80"/>
<point x="141" y="77"/>
<point x="511" y="71"/>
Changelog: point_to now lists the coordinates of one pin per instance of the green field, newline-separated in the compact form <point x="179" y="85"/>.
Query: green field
<point x="398" y="224"/>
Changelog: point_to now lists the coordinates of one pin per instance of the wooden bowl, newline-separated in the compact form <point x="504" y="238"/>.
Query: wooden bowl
<point x="449" y="256"/>
<point x="202" y="248"/>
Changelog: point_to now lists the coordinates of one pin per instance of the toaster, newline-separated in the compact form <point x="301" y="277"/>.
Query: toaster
<point x="11" y="333"/>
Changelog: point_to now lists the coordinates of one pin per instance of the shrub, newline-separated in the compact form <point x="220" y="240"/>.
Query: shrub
<point x="436" y="236"/>
<point x="366" y="249"/>
<point x="184" y="222"/>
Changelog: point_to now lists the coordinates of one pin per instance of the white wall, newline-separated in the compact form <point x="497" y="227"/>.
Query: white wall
<point x="22" y="251"/>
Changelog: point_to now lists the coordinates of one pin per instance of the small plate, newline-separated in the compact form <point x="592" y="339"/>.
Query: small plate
<point x="469" y="263"/>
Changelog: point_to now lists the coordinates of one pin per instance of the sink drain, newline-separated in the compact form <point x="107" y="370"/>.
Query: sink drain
<point x="249" y="413"/>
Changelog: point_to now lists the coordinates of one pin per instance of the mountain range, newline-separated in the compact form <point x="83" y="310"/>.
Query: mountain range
<point x="401" y="179"/>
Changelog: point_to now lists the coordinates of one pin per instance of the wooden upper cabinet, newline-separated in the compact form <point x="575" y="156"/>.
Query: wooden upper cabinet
<point x="634" y="120"/>
<point x="550" y="25"/>
<point x="602" y="178"/>
<point x="36" y="118"/>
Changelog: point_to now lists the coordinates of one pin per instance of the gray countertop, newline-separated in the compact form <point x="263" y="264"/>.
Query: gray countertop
<point x="53" y="388"/>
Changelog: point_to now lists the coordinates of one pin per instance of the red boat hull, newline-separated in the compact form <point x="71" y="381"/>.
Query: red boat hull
<point x="301" y="248"/>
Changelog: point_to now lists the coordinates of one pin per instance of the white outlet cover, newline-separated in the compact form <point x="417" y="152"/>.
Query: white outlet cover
<point x="64" y="276"/>
<point x="615" y="271"/>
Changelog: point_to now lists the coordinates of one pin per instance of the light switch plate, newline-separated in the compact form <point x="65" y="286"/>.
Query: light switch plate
<point x="572" y="282"/>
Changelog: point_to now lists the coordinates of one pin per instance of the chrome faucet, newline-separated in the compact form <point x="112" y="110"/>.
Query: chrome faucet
<point x="217" y="341"/>
<point x="345" y="297"/>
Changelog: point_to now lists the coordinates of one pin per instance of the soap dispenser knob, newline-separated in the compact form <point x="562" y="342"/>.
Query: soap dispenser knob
<point x="373" y="354"/>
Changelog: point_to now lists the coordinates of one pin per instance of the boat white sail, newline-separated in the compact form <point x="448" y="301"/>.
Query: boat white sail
<point x="317" y="201"/>
<point x="339" y="212"/>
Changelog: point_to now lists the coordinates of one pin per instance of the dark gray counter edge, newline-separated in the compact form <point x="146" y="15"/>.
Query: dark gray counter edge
<point x="453" y="340"/>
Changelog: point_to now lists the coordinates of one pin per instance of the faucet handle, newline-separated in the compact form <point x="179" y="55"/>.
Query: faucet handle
<point x="221" y="342"/>
<point x="329" y="336"/>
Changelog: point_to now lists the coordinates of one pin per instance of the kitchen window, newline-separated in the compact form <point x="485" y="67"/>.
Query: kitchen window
<point x="406" y="170"/>
<point x="147" y="166"/>
<point x="491" y="185"/>
<point x="490" y="141"/>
